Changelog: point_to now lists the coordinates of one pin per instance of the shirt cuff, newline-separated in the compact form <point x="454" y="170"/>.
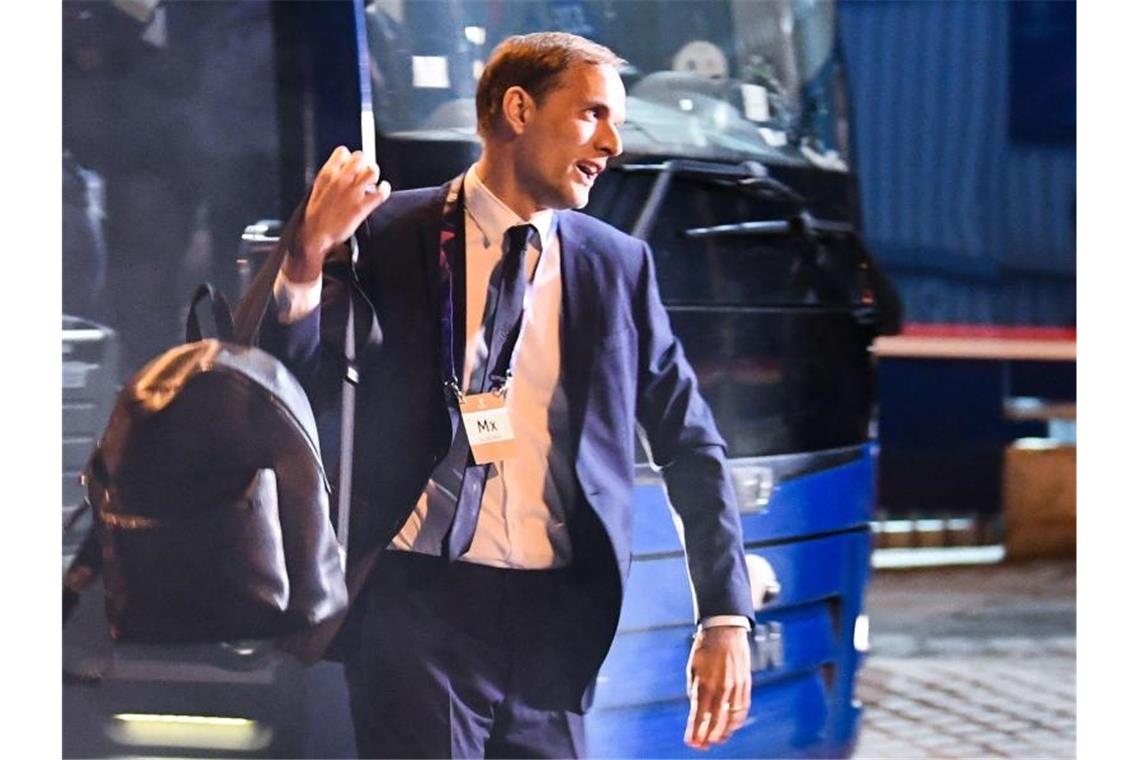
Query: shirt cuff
<point x="738" y="621"/>
<point x="295" y="300"/>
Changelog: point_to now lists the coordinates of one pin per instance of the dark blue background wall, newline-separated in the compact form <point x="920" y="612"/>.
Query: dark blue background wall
<point x="964" y="128"/>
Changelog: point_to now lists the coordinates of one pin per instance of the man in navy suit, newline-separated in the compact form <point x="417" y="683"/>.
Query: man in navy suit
<point x="495" y="428"/>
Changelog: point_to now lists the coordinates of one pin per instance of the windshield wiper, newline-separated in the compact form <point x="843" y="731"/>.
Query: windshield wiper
<point x="750" y="176"/>
<point x="802" y="224"/>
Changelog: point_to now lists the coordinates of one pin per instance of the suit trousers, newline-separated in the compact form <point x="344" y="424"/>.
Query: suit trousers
<point x="454" y="659"/>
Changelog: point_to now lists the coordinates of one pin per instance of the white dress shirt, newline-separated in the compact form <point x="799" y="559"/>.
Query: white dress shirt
<point x="522" y="519"/>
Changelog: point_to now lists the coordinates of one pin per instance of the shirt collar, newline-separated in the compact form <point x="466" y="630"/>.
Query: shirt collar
<point x="494" y="217"/>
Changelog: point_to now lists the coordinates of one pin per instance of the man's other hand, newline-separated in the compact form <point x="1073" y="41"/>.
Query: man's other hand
<point x="719" y="685"/>
<point x="344" y="194"/>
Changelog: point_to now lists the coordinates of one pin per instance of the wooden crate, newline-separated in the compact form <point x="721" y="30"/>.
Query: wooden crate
<point x="1039" y="490"/>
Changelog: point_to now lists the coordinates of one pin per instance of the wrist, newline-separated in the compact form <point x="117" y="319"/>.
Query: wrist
<point x="303" y="261"/>
<point x="295" y="300"/>
<point x="712" y="621"/>
<point x="720" y="636"/>
<point x="299" y="272"/>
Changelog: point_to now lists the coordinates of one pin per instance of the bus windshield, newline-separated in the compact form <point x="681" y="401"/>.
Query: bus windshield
<point x="720" y="80"/>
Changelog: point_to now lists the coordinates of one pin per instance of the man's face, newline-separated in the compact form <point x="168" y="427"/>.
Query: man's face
<point x="572" y="135"/>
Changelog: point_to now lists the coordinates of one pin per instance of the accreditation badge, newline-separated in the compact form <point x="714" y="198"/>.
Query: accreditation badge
<point x="488" y="424"/>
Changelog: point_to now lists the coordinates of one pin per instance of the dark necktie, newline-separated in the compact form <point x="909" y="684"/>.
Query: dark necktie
<point x="501" y="329"/>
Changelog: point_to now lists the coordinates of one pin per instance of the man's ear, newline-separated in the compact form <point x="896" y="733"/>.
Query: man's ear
<point x="518" y="109"/>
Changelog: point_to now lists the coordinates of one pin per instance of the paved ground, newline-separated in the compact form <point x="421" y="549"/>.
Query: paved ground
<point x="971" y="662"/>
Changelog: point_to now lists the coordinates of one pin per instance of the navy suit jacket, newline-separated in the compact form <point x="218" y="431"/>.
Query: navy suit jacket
<point x="622" y="366"/>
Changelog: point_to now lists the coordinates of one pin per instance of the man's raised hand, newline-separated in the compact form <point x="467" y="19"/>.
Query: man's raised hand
<point x="344" y="194"/>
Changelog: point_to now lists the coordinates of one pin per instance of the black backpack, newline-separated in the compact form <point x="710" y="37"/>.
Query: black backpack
<point x="210" y="498"/>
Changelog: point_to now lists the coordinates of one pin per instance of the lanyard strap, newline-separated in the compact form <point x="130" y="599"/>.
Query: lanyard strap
<point x="449" y="254"/>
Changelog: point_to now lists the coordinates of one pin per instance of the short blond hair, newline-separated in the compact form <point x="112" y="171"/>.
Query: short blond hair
<point x="534" y="62"/>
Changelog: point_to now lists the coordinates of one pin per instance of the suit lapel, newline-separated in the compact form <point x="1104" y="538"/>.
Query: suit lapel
<point x="429" y="243"/>
<point x="579" y="316"/>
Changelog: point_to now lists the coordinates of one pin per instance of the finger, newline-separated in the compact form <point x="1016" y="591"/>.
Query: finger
<point x="741" y="696"/>
<point x="329" y="169"/>
<point x="737" y="717"/>
<point x="340" y="156"/>
<point x="697" y="712"/>
<point x="376" y="196"/>
<point x="706" y="710"/>
<point x="367" y="174"/>
<point x="346" y="174"/>
<point x="691" y="726"/>
<point x="697" y="724"/>
<point x="741" y="703"/>
<point x="718" y="725"/>
<point x="721" y="704"/>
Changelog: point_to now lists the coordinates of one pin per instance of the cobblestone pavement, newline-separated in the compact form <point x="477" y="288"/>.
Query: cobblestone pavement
<point x="972" y="662"/>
